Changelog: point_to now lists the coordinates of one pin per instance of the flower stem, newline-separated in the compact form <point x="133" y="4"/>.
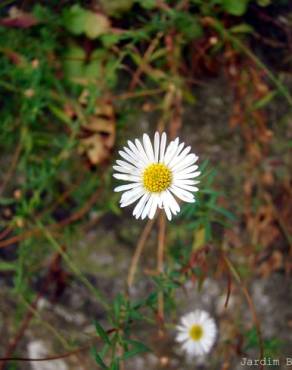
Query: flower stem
<point x="160" y="258"/>
<point x="250" y="303"/>
<point x="139" y="248"/>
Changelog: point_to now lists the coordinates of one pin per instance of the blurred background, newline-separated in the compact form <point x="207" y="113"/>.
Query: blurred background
<point x="77" y="80"/>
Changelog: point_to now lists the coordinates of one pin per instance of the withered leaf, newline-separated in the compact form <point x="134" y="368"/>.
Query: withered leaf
<point x="101" y="132"/>
<point x="19" y="19"/>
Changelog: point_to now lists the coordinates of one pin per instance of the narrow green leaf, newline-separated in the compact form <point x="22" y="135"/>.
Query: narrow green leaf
<point x="98" y="359"/>
<point x="115" y="365"/>
<point x="223" y="211"/>
<point x="137" y="347"/>
<point x="264" y="2"/>
<point x="7" y="266"/>
<point x="261" y="103"/>
<point x="241" y="28"/>
<point x="101" y="332"/>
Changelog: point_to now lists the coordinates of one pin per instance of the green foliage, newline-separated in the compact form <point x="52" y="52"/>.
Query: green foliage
<point x="235" y="7"/>
<point x="272" y="346"/>
<point x="56" y="78"/>
<point x="79" y="20"/>
<point x="116" y="8"/>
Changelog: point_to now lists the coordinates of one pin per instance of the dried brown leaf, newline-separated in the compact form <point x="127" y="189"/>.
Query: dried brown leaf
<point x="19" y="19"/>
<point x="101" y="132"/>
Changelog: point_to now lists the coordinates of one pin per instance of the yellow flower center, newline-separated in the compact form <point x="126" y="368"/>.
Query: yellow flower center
<point x="196" y="332"/>
<point x="156" y="178"/>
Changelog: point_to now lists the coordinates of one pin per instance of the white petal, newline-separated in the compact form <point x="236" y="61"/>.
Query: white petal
<point x="162" y="146"/>
<point x="186" y="176"/>
<point x="132" y="198"/>
<point x="156" y="146"/>
<point x="182" y="328"/>
<point x="137" y="153"/>
<point x="181" y="337"/>
<point x="174" y="154"/>
<point x="186" y="187"/>
<point x="198" y="349"/>
<point x="160" y="201"/>
<point x="127" y="170"/>
<point x="121" y="163"/>
<point x="132" y="194"/>
<point x="187" y="170"/>
<point x="125" y="177"/>
<point x="166" y="206"/>
<point x="170" y="151"/>
<point x="186" y="320"/>
<point x="179" y="158"/>
<point x="203" y="316"/>
<point x="141" y="150"/>
<point x="147" y="208"/>
<point x="126" y="187"/>
<point x="153" y="206"/>
<point x="136" y="160"/>
<point x="189" y="347"/>
<point x="128" y="156"/>
<point x="182" y="194"/>
<point x="187" y="161"/>
<point x="148" y="147"/>
<point x="168" y="212"/>
<point x="206" y="346"/>
<point x="173" y="205"/>
<point x="186" y="182"/>
<point x="140" y="205"/>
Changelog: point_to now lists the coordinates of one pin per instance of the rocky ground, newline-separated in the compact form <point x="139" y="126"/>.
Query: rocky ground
<point x="105" y="252"/>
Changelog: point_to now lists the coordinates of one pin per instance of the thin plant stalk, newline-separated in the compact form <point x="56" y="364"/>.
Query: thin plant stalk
<point x="160" y="260"/>
<point x="73" y="267"/>
<point x="138" y="251"/>
<point x="249" y="301"/>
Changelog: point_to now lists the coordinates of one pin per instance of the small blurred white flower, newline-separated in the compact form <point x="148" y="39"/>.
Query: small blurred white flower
<point x="196" y="333"/>
<point x="155" y="173"/>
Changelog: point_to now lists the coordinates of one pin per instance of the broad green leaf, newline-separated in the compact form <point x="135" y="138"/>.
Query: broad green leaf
<point x="78" y="70"/>
<point x="110" y="39"/>
<point x="235" y="7"/>
<point x="73" y="62"/>
<point x="187" y="24"/>
<point x="74" y="19"/>
<point x="78" y="20"/>
<point x="116" y="7"/>
<point x="96" y="25"/>
<point x="148" y="4"/>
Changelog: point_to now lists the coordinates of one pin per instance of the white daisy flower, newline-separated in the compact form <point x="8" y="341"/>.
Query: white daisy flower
<point x="197" y="333"/>
<point x="156" y="173"/>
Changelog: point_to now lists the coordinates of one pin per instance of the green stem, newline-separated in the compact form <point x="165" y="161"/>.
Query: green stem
<point x="249" y="301"/>
<point x="240" y="45"/>
<point x="72" y="266"/>
<point x="46" y="324"/>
